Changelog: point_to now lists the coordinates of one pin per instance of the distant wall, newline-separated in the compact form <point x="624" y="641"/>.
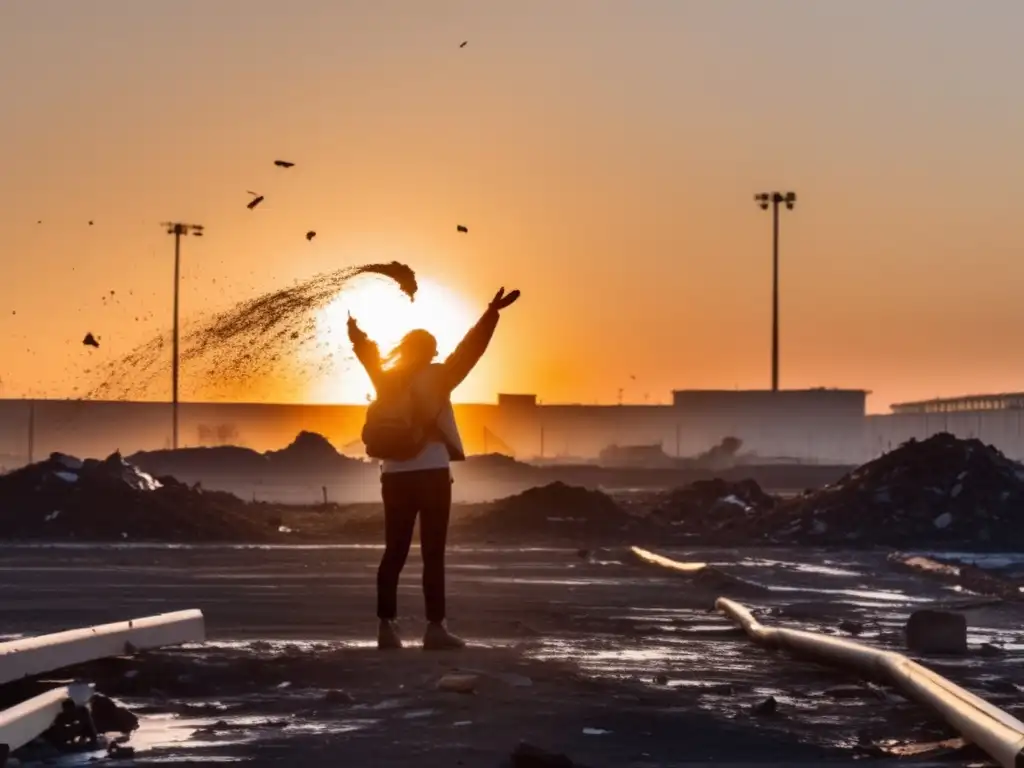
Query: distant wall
<point x="804" y="429"/>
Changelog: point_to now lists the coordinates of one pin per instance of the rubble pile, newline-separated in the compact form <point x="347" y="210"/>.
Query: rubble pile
<point x="308" y="455"/>
<point x="66" y="498"/>
<point x="941" y="491"/>
<point x="707" y="507"/>
<point x="554" y="510"/>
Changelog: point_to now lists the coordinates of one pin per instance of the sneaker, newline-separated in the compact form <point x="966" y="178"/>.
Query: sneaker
<point x="388" y="638"/>
<point x="438" y="638"/>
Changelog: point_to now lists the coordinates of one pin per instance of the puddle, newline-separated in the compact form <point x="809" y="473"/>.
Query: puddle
<point x="824" y="569"/>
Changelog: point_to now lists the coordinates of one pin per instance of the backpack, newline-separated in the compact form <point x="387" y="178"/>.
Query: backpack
<point x="394" y="429"/>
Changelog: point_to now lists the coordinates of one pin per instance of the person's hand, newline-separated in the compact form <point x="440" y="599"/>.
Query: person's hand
<point x="501" y="300"/>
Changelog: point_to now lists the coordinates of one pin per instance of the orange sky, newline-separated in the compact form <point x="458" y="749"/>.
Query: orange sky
<point x="603" y="154"/>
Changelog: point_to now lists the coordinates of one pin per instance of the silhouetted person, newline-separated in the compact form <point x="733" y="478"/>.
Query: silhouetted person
<point x="411" y="428"/>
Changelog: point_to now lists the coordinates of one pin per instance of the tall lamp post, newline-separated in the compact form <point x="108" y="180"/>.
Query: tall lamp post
<point x="179" y="230"/>
<point x="774" y="200"/>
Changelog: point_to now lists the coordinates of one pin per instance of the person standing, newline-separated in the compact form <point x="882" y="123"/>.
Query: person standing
<point x="410" y="427"/>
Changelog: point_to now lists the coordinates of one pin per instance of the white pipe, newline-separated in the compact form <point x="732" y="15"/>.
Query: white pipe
<point x="655" y="559"/>
<point x="992" y="729"/>
<point x="46" y="653"/>
<point x="30" y="719"/>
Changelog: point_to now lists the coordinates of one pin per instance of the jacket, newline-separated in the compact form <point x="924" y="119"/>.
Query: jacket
<point x="433" y="386"/>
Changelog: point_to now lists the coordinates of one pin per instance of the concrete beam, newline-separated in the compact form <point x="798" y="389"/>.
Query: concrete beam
<point x="35" y="655"/>
<point x="26" y="721"/>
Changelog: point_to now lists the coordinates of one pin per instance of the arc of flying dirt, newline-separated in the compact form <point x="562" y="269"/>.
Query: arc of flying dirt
<point x="246" y="341"/>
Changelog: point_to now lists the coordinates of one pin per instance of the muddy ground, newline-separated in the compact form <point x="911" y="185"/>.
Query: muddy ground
<point x="591" y="654"/>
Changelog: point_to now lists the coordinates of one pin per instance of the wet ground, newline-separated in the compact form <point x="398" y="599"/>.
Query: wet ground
<point x="592" y="654"/>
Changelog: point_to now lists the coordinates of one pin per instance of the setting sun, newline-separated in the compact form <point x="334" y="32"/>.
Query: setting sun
<point x="386" y="314"/>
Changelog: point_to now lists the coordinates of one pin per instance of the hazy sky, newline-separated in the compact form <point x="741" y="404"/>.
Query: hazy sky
<point x="603" y="154"/>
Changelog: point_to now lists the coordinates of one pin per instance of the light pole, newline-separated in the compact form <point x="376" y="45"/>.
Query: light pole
<point x="179" y="230"/>
<point x="775" y="199"/>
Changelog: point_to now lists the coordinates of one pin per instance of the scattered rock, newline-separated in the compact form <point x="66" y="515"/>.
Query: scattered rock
<point x="458" y="683"/>
<point x="117" y="750"/>
<point x="766" y="708"/>
<point x="528" y="756"/>
<point x="110" y="717"/>
<point x="930" y="631"/>
<point x="335" y="696"/>
<point x="851" y="627"/>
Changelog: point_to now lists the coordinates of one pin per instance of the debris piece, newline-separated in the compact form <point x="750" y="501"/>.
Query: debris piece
<point x="110" y="717"/>
<point x="930" y="631"/>
<point x="119" y="751"/>
<point x="463" y="43"/>
<point x="461" y="228"/>
<point x="528" y="756"/>
<point x="90" y="341"/>
<point x="335" y="696"/>
<point x="283" y="164"/>
<point x="458" y="683"/>
<point x="254" y="202"/>
<point x="851" y="627"/>
<point x="310" y="235"/>
<point x="766" y="708"/>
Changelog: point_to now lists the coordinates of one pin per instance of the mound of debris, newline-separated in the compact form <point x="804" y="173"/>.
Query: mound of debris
<point x="309" y="452"/>
<point x="708" y="507"/>
<point x="940" y="491"/>
<point x="494" y="462"/>
<point x="553" y="510"/>
<point x="309" y="455"/>
<point x="92" y="500"/>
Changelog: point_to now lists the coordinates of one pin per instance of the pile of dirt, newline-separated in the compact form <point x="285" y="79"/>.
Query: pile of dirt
<point x="941" y="491"/>
<point x="92" y="500"/>
<point x="716" y="506"/>
<point x="556" y="510"/>
<point x="309" y="454"/>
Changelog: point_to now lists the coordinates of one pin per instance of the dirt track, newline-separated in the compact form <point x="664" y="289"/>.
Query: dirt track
<point x="567" y="644"/>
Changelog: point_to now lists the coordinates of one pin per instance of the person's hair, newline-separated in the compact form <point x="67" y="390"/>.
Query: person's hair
<point x="416" y="348"/>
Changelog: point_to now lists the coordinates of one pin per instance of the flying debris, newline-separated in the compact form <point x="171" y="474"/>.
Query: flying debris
<point x="91" y="222"/>
<point x="283" y="164"/>
<point x="310" y="235"/>
<point x="254" y="202"/>
<point x="461" y="228"/>
<point x="463" y="43"/>
<point x="39" y="222"/>
<point x="90" y="341"/>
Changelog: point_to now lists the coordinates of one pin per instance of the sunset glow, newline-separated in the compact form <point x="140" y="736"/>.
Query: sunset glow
<point x="386" y="315"/>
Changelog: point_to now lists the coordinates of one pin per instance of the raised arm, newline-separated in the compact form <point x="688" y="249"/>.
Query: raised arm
<point x="472" y="347"/>
<point x="366" y="350"/>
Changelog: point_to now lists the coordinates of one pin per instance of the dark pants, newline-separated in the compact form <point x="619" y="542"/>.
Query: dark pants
<point x="428" y="493"/>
